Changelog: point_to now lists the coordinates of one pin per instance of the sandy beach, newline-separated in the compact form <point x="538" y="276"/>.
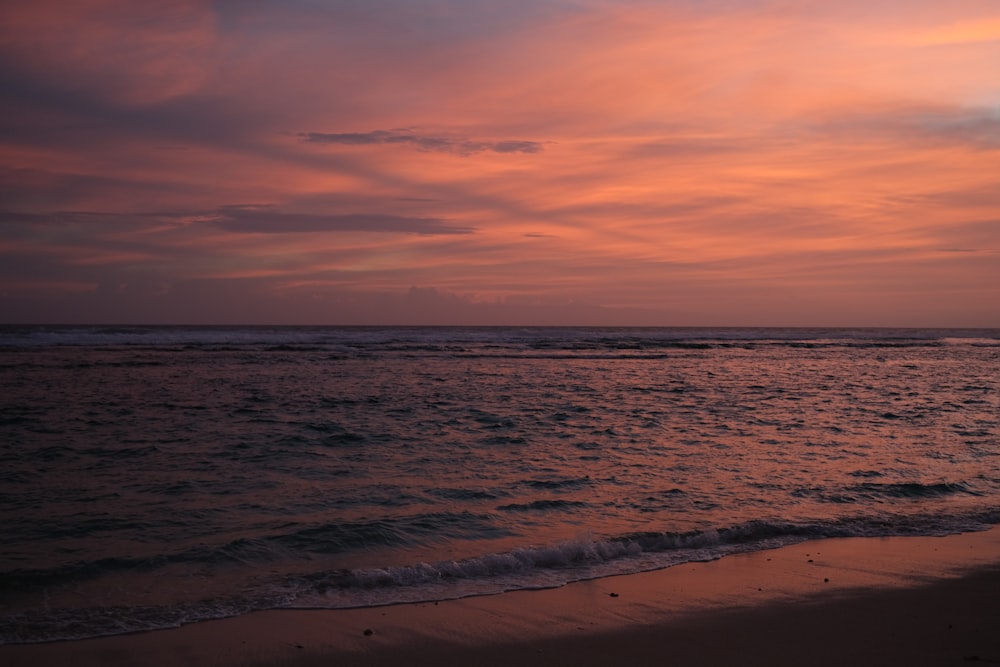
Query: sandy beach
<point x="859" y="601"/>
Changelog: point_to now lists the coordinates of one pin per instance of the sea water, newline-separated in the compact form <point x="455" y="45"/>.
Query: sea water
<point x="154" y="476"/>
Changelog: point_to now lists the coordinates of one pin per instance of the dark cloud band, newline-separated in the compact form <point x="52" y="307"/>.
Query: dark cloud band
<point x="257" y="219"/>
<point x="425" y="143"/>
<point x="266" y="220"/>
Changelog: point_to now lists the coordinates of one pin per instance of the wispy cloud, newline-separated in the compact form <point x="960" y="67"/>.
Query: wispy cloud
<point x="269" y="220"/>
<point x="941" y="126"/>
<point x="421" y="142"/>
<point x="245" y="218"/>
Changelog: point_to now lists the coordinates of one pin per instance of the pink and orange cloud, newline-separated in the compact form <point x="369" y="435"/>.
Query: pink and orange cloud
<point x="553" y="162"/>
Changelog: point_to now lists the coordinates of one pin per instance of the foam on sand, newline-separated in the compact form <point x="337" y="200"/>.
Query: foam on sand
<point x="861" y="601"/>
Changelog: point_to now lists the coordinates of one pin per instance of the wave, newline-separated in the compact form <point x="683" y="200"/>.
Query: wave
<point x="557" y="342"/>
<point x="530" y="567"/>
<point x="543" y="505"/>
<point x="868" y="492"/>
<point x="290" y="541"/>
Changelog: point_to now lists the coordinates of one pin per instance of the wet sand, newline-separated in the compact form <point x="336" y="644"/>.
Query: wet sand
<point x="854" y="601"/>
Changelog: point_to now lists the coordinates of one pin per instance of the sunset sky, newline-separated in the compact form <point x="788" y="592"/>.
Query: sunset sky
<point x="669" y="162"/>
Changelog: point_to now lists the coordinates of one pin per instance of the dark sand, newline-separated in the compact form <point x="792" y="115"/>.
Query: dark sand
<point x="892" y="601"/>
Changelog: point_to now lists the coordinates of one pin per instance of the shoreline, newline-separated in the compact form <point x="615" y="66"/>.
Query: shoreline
<point x="860" y="601"/>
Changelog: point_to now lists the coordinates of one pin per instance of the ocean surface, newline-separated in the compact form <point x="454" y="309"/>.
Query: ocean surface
<point x="154" y="476"/>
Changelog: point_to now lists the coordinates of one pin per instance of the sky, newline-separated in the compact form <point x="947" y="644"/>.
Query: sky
<point x="515" y="162"/>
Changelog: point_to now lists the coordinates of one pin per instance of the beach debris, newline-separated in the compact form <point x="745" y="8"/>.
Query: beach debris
<point x="614" y="595"/>
<point x="977" y="658"/>
<point x="368" y="632"/>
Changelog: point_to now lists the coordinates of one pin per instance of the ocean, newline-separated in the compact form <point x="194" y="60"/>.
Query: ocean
<point x="156" y="476"/>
